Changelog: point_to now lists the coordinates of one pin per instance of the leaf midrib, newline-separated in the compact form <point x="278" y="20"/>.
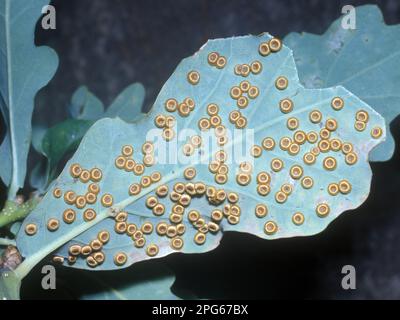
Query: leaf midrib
<point x="13" y="188"/>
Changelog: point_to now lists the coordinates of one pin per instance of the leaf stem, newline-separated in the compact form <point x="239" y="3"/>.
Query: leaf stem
<point x="7" y="242"/>
<point x="13" y="211"/>
<point x="14" y="185"/>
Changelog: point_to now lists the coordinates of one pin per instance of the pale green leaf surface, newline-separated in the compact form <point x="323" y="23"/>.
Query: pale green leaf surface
<point x="156" y="289"/>
<point x="85" y="105"/>
<point x="136" y="285"/>
<point x="85" y="108"/>
<point x="16" y="226"/>
<point x="24" y="69"/>
<point x="39" y="176"/>
<point x="38" y="133"/>
<point x="128" y="104"/>
<point x="364" y="60"/>
<point x="62" y="138"/>
<point x="6" y="159"/>
<point x="103" y="143"/>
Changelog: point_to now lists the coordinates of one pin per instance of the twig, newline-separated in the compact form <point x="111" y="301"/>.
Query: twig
<point x="14" y="211"/>
<point x="7" y="242"/>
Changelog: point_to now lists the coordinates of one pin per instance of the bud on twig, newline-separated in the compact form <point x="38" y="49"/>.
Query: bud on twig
<point x="10" y="259"/>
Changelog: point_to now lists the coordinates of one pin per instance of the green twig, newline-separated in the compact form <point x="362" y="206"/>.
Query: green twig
<point x="10" y="286"/>
<point x="10" y="283"/>
<point x="13" y="211"/>
<point x="7" y="242"/>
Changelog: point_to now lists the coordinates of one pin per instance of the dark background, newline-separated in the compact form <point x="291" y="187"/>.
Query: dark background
<point x="108" y="44"/>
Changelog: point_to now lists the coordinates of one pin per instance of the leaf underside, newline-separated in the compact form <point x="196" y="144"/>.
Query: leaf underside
<point x="24" y="69"/>
<point x="364" y="60"/>
<point x="85" y="105"/>
<point x="144" y="282"/>
<point x="105" y="140"/>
